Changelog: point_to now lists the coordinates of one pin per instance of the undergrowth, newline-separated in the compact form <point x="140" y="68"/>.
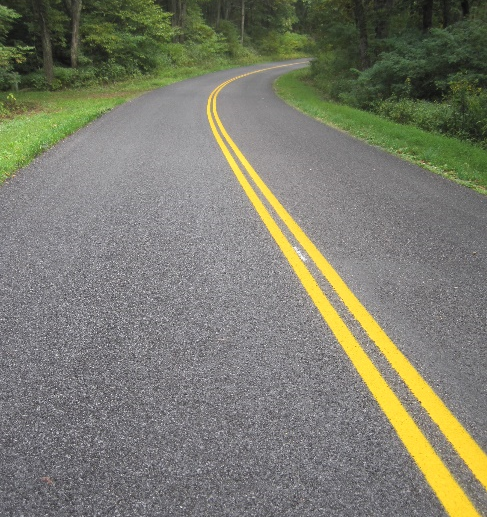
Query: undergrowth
<point x="457" y="160"/>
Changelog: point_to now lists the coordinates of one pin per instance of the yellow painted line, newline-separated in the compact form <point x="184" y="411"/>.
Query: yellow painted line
<point x="436" y="473"/>
<point x="466" y="447"/>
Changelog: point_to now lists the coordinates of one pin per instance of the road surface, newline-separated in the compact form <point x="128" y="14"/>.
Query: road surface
<point x="292" y="326"/>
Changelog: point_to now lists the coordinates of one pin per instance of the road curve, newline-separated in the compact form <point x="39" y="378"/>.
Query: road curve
<point x="159" y="355"/>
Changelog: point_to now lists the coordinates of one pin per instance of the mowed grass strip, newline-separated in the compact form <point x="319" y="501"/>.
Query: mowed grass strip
<point x="26" y="136"/>
<point x="459" y="161"/>
<point x="51" y="116"/>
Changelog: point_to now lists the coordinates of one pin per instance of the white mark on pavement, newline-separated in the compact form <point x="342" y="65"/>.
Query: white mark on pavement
<point x="301" y="255"/>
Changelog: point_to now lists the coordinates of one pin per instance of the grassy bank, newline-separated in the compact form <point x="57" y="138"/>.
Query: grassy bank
<point x="41" y="118"/>
<point x="459" y="161"/>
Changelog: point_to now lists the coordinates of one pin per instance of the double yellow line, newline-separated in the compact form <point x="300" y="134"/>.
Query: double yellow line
<point x="448" y="491"/>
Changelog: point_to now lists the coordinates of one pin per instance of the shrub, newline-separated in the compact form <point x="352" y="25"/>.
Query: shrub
<point x="431" y="116"/>
<point x="283" y="43"/>
<point x="458" y="49"/>
<point x="11" y="106"/>
<point x="35" y="80"/>
<point x="462" y="115"/>
<point x="469" y="105"/>
<point x="232" y="39"/>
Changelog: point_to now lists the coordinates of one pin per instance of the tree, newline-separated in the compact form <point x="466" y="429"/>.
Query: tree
<point x="41" y="11"/>
<point x="74" y="11"/>
<point x="10" y="55"/>
<point x="125" y="33"/>
<point x="361" y="22"/>
<point x="242" y="23"/>
<point x="427" y="9"/>
<point x="382" y="13"/>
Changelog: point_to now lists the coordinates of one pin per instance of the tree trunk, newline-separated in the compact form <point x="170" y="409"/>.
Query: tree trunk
<point x="382" y="9"/>
<point x="182" y="17"/>
<point x="184" y="9"/>
<point x="465" y="8"/>
<point x="427" y="15"/>
<point x="243" y="23"/>
<point x="218" y="13"/>
<point x="180" y="8"/>
<point x="226" y="10"/>
<point x="361" y="21"/>
<point x="174" y="10"/>
<point x="40" y="10"/>
<point x="176" y="20"/>
<point x="74" y="11"/>
<point x="445" y="13"/>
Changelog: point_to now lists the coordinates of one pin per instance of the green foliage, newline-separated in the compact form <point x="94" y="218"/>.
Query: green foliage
<point x="433" y="117"/>
<point x="469" y="105"/>
<point x="201" y="43"/>
<point x="337" y="54"/>
<point x="263" y="17"/>
<point x="124" y="36"/>
<point x="461" y="161"/>
<point x="408" y="68"/>
<point x="446" y="67"/>
<point x="463" y="114"/>
<point x="78" y="77"/>
<point x="284" y="43"/>
<point x="9" y="55"/>
<point x="9" y="105"/>
<point x="191" y="53"/>
<point x="232" y="39"/>
<point x="7" y="18"/>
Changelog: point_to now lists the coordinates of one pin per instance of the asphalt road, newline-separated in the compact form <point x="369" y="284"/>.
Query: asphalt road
<point x="160" y="357"/>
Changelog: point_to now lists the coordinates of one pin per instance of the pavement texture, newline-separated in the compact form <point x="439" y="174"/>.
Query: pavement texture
<point x="158" y="357"/>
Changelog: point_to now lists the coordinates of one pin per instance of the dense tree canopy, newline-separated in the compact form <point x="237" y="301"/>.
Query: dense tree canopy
<point x="366" y="51"/>
<point x="13" y="54"/>
<point x="397" y="38"/>
<point x="418" y="62"/>
<point x="117" y="37"/>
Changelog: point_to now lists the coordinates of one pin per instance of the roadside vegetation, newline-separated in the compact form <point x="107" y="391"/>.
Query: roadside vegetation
<point x="36" y="120"/>
<point x="65" y="62"/>
<point x="409" y="76"/>
<point x="455" y="159"/>
<point x="421" y="65"/>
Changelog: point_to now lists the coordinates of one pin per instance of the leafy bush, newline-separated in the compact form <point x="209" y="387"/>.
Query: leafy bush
<point x="10" y="56"/>
<point x="128" y="40"/>
<point x="283" y="43"/>
<point x="332" y="70"/>
<point x="431" y="116"/>
<point x="9" y="105"/>
<point x="463" y="114"/>
<point x="176" y="54"/>
<point x="469" y="106"/>
<point x="423" y="68"/>
<point x="64" y="78"/>
<point x="9" y="80"/>
<point x="35" y="80"/>
<point x="437" y="82"/>
<point x="232" y="39"/>
<point x="192" y="54"/>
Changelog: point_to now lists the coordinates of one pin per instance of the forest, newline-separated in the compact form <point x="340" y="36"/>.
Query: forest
<point x="56" y="43"/>
<point x="421" y="62"/>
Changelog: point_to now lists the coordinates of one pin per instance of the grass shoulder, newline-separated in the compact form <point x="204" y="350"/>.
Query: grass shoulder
<point x="37" y="120"/>
<point x="454" y="159"/>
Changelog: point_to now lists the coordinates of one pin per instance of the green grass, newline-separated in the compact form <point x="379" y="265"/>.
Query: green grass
<point x="45" y="118"/>
<point x="26" y="136"/>
<point x="459" y="161"/>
